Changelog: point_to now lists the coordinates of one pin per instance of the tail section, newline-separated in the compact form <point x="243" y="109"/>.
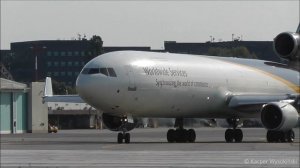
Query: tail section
<point x="48" y="87"/>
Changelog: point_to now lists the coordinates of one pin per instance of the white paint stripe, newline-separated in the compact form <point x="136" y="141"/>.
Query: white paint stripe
<point x="108" y="158"/>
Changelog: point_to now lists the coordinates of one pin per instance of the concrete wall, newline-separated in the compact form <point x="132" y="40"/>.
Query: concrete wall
<point x="38" y="112"/>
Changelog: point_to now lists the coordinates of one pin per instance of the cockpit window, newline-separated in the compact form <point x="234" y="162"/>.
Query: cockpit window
<point x="105" y="71"/>
<point x="93" y="71"/>
<point x="112" y="72"/>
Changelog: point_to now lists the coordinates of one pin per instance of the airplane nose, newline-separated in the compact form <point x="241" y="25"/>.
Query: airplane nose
<point x="82" y="86"/>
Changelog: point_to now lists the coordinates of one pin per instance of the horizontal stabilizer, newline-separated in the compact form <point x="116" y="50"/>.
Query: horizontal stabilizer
<point x="49" y="97"/>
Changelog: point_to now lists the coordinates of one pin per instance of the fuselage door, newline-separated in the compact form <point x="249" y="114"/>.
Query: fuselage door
<point x="131" y="79"/>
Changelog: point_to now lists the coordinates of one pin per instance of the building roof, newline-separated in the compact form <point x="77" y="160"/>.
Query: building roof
<point x="6" y="84"/>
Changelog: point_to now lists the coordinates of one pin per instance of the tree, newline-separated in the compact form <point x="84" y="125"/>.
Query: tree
<point x="96" y="45"/>
<point x="60" y="88"/>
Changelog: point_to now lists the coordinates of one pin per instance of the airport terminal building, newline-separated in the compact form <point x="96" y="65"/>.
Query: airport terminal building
<point x="62" y="60"/>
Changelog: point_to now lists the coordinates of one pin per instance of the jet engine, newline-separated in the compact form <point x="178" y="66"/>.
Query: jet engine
<point x="115" y="123"/>
<point x="287" y="45"/>
<point x="279" y="116"/>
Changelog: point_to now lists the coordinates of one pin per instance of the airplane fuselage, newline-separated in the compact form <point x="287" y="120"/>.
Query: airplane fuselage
<point x="167" y="85"/>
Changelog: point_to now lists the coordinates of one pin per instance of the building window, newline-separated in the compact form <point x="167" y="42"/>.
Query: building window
<point x="49" y="74"/>
<point x="76" y="73"/>
<point x="76" y="53"/>
<point x="55" y="53"/>
<point x="49" y="64"/>
<point x="56" y="63"/>
<point x="69" y="53"/>
<point x="63" y="73"/>
<point x="63" y="64"/>
<point x="69" y="73"/>
<point x="69" y="63"/>
<point x="82" y="53"/>
<point x="76" y="63"/>
<point x="49" y="53"/>
<point x="55" y="74"/>
<point x="63" y="53"/>
<point x="82" y="63"/>
<point x="90" y="53"/>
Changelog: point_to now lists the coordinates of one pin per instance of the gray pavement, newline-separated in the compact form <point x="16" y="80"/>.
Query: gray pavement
<point x="148" y="148"/>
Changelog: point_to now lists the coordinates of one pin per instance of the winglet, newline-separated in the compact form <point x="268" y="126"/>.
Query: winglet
<point x="48" y="87"/>
<point x="298" y="29"/>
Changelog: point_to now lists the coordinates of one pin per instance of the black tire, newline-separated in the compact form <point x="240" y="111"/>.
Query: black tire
<point x="181" y="135"/>
<point x="271" y="136"/>
<point x="282" y="136"/>
<point x="171" y="135"/>
<point x="238" y="135"/>
<point x="229" y="133"/>
<point x="120" y="138"/>
<point x="191" y="134"/>
<point x="127" y="138"/>
<point x="276" y="136"/>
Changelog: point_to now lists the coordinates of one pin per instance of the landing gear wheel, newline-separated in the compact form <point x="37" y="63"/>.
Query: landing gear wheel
<point x="191" y="135"/>
<point x="229" y="135"/>
<point x="120" y="138"/>
<point x="127" y="138"/>
<point x="238" y="135"/>
<point x="280" y="136"/>
<point x="171" y="135"/>
<point x="181" y="135"/>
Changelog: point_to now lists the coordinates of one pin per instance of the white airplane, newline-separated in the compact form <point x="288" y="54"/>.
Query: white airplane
<point x="126" y="85"/>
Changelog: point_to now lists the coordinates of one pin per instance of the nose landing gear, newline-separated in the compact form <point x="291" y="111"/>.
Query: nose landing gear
<point x="123" y="135"/>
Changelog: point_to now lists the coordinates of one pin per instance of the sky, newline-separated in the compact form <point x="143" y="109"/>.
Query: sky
<point x="146" y="23"/>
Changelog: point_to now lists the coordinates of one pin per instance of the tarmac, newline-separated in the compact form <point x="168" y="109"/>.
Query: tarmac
<point x="148" y="148"/>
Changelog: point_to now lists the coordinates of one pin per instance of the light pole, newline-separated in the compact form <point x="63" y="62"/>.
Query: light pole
<point x="37" y="50"/>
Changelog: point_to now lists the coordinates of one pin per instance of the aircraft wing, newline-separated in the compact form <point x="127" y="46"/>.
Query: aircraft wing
<point x="254" y="103"/>
<point x="49" y="97"/>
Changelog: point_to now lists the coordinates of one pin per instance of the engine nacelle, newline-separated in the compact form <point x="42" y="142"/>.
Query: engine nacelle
<point x="114" y="123"/>
<point x="287" y="45"/>
<point x="279" y="116"/>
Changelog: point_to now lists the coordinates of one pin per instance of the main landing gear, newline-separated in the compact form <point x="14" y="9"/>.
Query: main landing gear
<point x="233" y="134"/>
<point x="280" y="136"/>
<point x="180" y="134"/>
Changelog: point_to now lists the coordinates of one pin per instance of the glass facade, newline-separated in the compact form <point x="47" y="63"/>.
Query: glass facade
<point x="55" y="53"/>
<point x="49" y="53"/>
<point x="63" y="53"/>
